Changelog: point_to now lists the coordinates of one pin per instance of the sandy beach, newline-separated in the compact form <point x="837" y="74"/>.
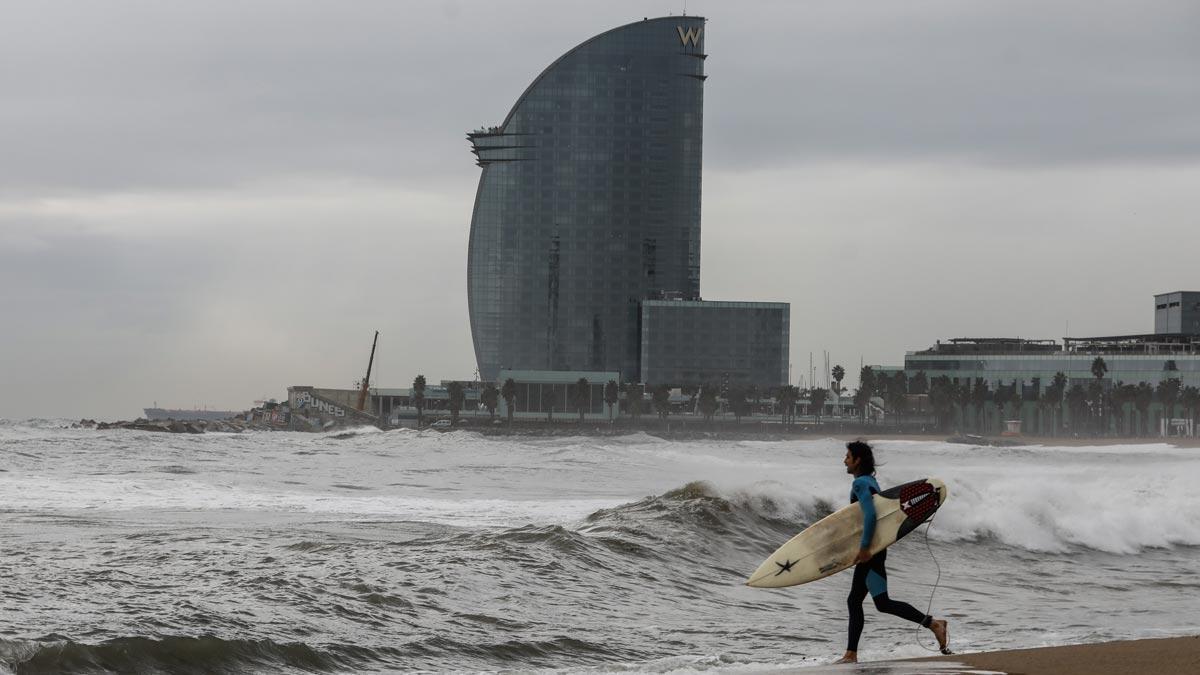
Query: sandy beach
<point x="1165" y="656"/>
<point x="1050" y="441"/>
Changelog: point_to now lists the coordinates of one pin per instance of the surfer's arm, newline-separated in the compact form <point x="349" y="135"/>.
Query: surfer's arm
<point x="863" y="493"/>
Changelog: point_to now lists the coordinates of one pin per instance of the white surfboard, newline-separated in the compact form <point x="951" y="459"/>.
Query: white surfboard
<point x="829" y="545"/>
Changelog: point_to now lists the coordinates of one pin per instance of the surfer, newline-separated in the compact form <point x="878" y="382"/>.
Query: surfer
<point x="870" y="573"/>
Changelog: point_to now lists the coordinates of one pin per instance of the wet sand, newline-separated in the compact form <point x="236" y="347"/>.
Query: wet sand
<point x="1165" y="656"/>
<point x="1052" y="441"/>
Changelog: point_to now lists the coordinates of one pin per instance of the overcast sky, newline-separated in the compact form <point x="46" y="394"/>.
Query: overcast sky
<point x="203" y="203"/>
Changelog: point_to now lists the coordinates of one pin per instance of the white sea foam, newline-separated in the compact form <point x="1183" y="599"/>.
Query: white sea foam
<point x="1119" y="498"/>
<point x="113" y="494"/>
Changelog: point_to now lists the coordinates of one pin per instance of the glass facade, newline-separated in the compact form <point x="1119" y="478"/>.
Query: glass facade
<point x="589" y="202"/>
<point x="1004" y="368"/>
<point x="693" y="343"/>
<point x="543" y="391"/>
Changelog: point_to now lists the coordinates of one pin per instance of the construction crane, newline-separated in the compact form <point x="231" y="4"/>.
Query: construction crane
<point x="362" y="394"/>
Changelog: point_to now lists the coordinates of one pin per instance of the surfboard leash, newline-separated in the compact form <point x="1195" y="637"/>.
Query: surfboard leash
<point x="936" y="581"/>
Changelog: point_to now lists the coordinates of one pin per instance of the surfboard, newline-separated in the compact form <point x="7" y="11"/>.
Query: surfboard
<point x="829" y="545"/>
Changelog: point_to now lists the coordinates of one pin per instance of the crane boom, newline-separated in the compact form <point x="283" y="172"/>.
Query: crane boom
<point x="362" y="394"/>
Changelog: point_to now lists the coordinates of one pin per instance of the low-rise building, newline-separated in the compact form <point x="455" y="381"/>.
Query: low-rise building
<point x="542" y="393"/>
<point x="697" y="342"/>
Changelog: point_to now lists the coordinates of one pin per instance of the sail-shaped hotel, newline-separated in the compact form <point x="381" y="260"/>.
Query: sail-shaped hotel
<point x="585" y="237"/>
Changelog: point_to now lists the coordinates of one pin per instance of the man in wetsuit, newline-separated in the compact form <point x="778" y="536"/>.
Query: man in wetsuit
<point x="870" y="573"/>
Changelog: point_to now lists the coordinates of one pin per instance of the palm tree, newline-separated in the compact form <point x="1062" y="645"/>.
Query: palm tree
<point x="418" y="397"/>
<point x="1001" y="399"/>
<point x="662" y="400"/>
<point x="708" y="402"/>
<point x="549" y="400"/>
<point x="490" y="398"/>
<point x="611" y="397"/>
<point x="1190" y="400"/>
<point x="980" y="394"/>
<point x="737" y="402"/>
<point x="897" y="392"/>
<point x="1077" y="398"/>
<point x="581" y="396"/>
<point x="959" y="394"/>
<point x="1054" y="398"/>
<point x="456" y="398"/>
<point x="1117" y="398"/>
<point x="1168" y="395"/>
<point x="1017" y="400"/>
<point x="788" y="395"/>
<point x="1095" y="399"/>
<point x="866" y="389"/>
<point x="633" y="399"/>
<point x="1099" y="368"/>
<point x="941" y="399"/>
<point x="816" y="398"/>
<point x="919" y="383"/>
<point x="508" y="391"/>
<point x="838" y="373"/>
<point x="1143" y="396"/>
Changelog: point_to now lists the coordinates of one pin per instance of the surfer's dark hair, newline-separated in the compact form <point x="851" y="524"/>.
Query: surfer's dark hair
<point x="866" y="457"/>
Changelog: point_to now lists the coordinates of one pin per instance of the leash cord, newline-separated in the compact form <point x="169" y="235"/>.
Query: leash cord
<point x="935" y="584"/>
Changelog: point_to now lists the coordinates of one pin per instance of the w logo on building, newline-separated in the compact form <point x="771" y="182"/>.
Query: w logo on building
<point x="692" y="35"/>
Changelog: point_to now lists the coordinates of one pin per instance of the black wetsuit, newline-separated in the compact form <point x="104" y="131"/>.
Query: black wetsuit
<point x="871" y="576"/>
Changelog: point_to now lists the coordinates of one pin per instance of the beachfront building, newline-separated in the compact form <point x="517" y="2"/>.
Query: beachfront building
<point x="589" y="202"/>
<point x="544" y="394"/>
<point x="1130" y="359"/>
<point x="588" y="205"/>
<point x="1171" y="352"/>
<point x="1177" y="312"/>
<point x="689" y="343"/>
<point x="1126" y="384"/>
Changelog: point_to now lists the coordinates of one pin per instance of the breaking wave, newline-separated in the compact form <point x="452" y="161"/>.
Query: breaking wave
<point x="1116" y="513"/>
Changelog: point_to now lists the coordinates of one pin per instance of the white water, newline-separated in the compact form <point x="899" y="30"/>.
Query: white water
<point x="1038" y="545"/>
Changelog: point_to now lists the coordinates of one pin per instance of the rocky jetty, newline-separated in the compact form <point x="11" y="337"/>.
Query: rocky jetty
<point x="230" y="426"/>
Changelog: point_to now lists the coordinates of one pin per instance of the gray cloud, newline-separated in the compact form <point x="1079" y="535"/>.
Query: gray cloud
<point x="123" y="95"/>
<point x="205" y="203"/>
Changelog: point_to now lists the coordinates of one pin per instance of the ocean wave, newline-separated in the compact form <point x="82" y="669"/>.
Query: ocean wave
<point x="205" y="654"/>
<point x="699" y="514"/>
<point x="1105" y="511"/>
<point x="37" y="423"/>
<point x="210" y="654"/>
<point x="1119" y="512"/>
<point x="183" y="492"/>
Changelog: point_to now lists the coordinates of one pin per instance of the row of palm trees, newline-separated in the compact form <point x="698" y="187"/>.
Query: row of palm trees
<point x="739" y="400"/>
<point x="578" y="395"/>
<point x="1102" y="407"/>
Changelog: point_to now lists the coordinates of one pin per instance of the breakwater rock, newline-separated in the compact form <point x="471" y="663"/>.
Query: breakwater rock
<point x="170" y="426"/>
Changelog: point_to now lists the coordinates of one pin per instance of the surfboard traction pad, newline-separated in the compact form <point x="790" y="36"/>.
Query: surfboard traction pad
<point x="915" y="502"/>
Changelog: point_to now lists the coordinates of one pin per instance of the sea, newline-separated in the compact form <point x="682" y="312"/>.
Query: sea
<point x="399" y="551"/>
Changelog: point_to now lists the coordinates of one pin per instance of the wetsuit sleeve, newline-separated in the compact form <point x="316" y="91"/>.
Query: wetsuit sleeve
<point x="863" y="492"/>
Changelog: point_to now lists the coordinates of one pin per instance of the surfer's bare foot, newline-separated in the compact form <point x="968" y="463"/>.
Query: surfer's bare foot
<point x="850" y="657"/>
<point x="942" y="633"/>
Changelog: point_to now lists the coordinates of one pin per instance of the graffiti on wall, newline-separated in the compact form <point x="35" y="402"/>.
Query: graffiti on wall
<point x="305" y="399"/>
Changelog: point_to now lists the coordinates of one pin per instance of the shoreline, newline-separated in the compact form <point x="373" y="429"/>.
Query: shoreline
<point x="1148" y="655"/>
<point x="1051" y="441"/>
<point x="682" y="431"/>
